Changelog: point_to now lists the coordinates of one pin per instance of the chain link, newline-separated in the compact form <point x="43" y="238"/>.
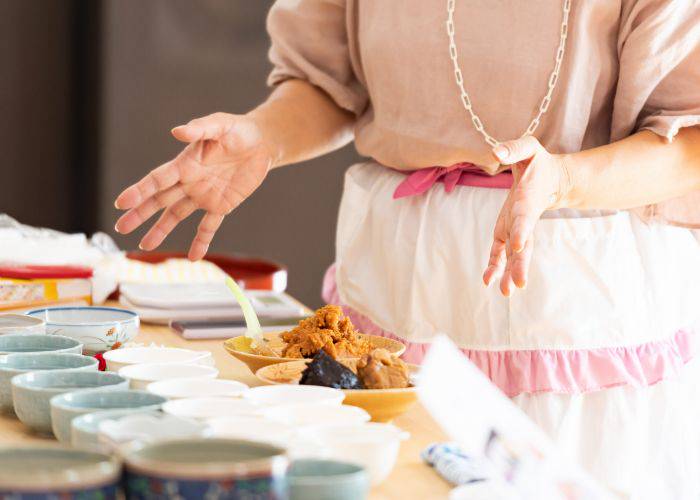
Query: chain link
<point x="551" y="84"/>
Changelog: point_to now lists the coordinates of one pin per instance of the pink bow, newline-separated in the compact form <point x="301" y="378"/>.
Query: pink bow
<point x="460" y="174"/>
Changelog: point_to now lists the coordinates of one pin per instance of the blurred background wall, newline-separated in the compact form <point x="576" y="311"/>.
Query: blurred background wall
<point x="93" y="89"/>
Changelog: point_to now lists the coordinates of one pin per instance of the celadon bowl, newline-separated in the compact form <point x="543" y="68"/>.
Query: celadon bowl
<point x="16" y="364"/>
<point x="20" y="323"/>
<point x="98" y="328"/>
<point x="43" y="472"/>
<point x="21" y="343"/>
<point x="312" y="479"/>
<point x="32" y="392"/>
<point x="65" y="407"/>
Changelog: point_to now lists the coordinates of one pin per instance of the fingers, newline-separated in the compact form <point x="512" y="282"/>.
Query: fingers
<point x="207" y="127"/>
<point x="497" y="256"/>
<point x="522" y="149"/>
<point x="170" y="218"/>
<point x="141" y="213"/>
<point x="163" y="177"/>
<point x="506" y="280"/>
<point x="521" y="264"/>
<point x="205" y="233"/>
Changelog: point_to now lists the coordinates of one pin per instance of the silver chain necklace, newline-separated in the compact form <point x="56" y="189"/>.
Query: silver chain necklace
<point x="553" y="77"/>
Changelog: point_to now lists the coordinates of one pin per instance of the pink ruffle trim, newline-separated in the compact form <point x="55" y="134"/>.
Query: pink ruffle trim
<point x="554" y="370"/>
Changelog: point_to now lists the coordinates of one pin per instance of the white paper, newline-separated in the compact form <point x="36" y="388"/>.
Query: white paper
<point x="478" y="416"/>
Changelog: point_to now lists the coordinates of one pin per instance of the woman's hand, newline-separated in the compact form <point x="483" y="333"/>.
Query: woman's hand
<point x="224" y="161"/>
<point x="540" y="182"/>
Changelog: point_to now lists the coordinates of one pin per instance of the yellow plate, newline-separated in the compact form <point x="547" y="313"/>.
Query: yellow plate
<point x="239" y="347"/>
<point x="382" y="404"/>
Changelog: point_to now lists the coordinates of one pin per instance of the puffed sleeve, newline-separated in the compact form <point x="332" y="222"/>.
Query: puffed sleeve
<point x="659" y="85"/>
<point x="659" y="81"/>
<point x="310" y="42"/>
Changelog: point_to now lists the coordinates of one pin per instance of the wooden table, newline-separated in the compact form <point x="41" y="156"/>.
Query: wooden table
<point x="410" y="479"/>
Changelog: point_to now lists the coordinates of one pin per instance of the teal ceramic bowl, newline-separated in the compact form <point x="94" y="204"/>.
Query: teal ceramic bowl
<point x="327" y="480"/>
<point x="65" y="407"/>
<point x="203" y="467"/>
<point x="16" y="364"/>
<point x="20" y="343"/>
<point x="54" y="472"/>
<point x="32" y="392"/>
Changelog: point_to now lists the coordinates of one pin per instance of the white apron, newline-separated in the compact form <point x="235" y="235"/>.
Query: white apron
<point x="602" y="283"/>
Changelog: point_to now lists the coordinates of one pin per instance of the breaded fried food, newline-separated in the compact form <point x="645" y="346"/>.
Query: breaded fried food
<point x="328" y="330"/>
<point x="380" y="369"/>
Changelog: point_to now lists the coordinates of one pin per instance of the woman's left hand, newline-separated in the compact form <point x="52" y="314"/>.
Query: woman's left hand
<point x="540" y="182"/>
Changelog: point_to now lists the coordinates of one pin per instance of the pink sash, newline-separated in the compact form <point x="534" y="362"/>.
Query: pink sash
<point x="461" y="174"/>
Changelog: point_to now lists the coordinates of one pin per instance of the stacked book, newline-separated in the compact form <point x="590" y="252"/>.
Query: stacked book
<point x="29" y="286"/>
<point x="208" y="310"/>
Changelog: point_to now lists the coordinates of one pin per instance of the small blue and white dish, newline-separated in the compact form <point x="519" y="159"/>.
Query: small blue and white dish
<point x="65" y="407"/>
<point x="98" y="328"/>
<point x="50" y="472"/>
<point x="16" y="364"/>
<point x="32" y="392"/>
<point x="205" y="468"/>
<point x="21" y="343"/>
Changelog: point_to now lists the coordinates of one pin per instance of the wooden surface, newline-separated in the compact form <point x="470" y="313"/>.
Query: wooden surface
<point x="410" y="479"/>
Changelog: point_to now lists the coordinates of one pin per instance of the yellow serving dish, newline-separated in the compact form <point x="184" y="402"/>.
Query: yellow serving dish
<point x="239" y="347"/>
<point x="383" y="405"/>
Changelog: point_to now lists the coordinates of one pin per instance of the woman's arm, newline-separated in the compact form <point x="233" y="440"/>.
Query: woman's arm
<point x="299" y="122"/>
<point x="227" y="157"/>
<point x="640" y="170"/>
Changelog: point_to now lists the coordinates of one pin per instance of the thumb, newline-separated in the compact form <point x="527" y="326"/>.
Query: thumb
<point x="522" y="149"/>
<point x="208" y="127"/>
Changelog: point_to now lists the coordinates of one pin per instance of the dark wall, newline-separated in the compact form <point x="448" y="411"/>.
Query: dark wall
<point x="156" y="64"/>
<point x="36" y="178"/>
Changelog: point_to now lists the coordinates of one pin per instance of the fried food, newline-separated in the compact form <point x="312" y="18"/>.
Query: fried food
<point x="328" y="330"/>
<point x="380" y="369"/>
<point x="328" y="372"/>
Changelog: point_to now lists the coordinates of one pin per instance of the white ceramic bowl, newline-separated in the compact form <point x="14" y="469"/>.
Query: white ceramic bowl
<point x="146" y="427"/>
<point x="206" y="408"/>
<point x="178" y="388"/>
<point x="98" y="328"/>
<point x="119" y="358"/>
<point x="20" y="323"/>
<point x="374" y="446"/>
<point x="251" y="429"/>
<point x="303" y="415"/>
<point x="281" y="395"/>
<point x="140" y="376"/>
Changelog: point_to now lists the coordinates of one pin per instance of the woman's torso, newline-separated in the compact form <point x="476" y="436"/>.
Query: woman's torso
<point x="414" y="118"/>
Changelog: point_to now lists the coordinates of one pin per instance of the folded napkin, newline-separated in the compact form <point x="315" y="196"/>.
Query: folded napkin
<point x="455" y="465"/>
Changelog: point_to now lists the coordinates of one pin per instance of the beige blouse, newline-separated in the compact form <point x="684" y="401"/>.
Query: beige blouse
<point x="629" y="65"/>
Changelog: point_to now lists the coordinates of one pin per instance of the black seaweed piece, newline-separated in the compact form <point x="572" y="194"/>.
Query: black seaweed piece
<point x="326" y="371"/>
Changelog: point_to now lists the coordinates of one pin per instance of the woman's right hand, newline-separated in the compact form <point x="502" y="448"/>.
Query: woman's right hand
<point x="224" y="161"/>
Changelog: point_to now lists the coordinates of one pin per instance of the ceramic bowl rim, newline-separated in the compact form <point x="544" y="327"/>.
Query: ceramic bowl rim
<point x="24" y="336"/>
<point x="211" y="371"/>
<point x="359" y="473"/>
<point x="133" y="317"/>
<point x="241" y="389"/>
<point x="338" y="393"/>
<point x="18" y="381"/>
<point x="79" y="421"/>
<point x="110" y="476"/>
<point x="58" y="400"/>
<point x="36" y="322"/>
<point x="276" y="462"/>
<point x="109" y="355"/>
<point x="74" y="355"/>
